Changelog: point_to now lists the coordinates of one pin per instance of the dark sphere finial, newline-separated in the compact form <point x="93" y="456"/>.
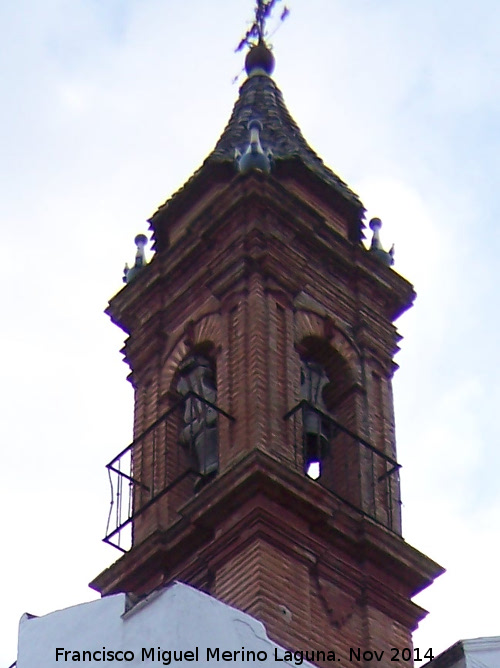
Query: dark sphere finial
<point x="260" y="57"/>
<point x="375" y="224"/>
<point x="141" y="240"/>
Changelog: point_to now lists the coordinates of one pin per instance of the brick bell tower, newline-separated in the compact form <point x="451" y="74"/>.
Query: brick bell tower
<point x="261" y="340"/>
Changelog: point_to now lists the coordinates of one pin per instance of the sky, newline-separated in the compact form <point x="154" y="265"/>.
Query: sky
<point x="107" y="108"/>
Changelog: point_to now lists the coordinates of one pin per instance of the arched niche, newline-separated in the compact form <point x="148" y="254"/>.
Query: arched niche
<point x="329" y="453"/>
<point x="196" y="385"/>
<point x="341" y="379"/>
<point x="203" y="334"/>
<point x="194" y="388"/>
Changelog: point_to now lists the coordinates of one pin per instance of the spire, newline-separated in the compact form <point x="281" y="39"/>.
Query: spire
<point x="260" y="101"/>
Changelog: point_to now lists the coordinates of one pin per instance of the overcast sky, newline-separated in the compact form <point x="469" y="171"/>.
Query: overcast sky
<point x="108" y="106"/>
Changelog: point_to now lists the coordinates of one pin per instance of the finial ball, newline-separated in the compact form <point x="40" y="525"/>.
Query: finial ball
<point x="375" y="224"/>
<point x="259" y="57"/>
<point x="141" y="240"/>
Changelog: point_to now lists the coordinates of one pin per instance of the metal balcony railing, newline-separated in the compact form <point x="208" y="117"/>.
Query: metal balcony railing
<point x="154" y="464"/>
<point x="354" y="470"/>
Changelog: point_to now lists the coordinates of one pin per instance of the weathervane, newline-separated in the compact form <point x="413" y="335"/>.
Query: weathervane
<point x="257" y="31"/>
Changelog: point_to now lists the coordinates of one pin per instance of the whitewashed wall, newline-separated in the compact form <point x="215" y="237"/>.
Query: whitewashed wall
<point x="476" y="653"/>
<point x="176" y="618"/>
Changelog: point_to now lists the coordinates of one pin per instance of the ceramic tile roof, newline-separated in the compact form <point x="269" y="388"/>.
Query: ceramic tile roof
<point x="261" y="99"/>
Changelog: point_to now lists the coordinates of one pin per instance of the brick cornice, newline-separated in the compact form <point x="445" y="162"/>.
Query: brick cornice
<point x="260" y="208"/>
<point x="244" y="504"/>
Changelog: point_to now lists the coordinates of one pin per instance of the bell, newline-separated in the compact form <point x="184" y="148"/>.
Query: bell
<point x="316" y="437"/>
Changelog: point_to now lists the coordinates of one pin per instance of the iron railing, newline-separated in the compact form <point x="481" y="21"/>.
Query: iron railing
<point x="353" y="469"/>
<point x="154" y="464"/>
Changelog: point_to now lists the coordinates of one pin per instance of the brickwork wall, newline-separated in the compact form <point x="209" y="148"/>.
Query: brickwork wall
<point x="383" y="633"/>
<point x="264" y="285"/>
<point x="258" y="338"/>
<point x="305" y="610"/>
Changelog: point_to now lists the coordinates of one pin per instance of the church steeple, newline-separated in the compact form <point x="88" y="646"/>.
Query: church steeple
<point x="280" y="137"/>
<point x="261" y="340"/>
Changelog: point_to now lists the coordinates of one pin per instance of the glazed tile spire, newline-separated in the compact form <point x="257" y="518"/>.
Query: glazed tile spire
<point x="260" y="100"/>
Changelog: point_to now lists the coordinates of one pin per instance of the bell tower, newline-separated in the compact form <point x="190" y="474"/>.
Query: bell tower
<point x="261" y="340"/>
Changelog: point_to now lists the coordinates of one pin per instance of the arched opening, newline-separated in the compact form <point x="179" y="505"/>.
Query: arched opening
<point x="326" y="385"/>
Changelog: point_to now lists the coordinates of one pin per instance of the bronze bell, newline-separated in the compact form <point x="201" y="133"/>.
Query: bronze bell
<point x="316" y="437"/>
<point x="316" y="428"/>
